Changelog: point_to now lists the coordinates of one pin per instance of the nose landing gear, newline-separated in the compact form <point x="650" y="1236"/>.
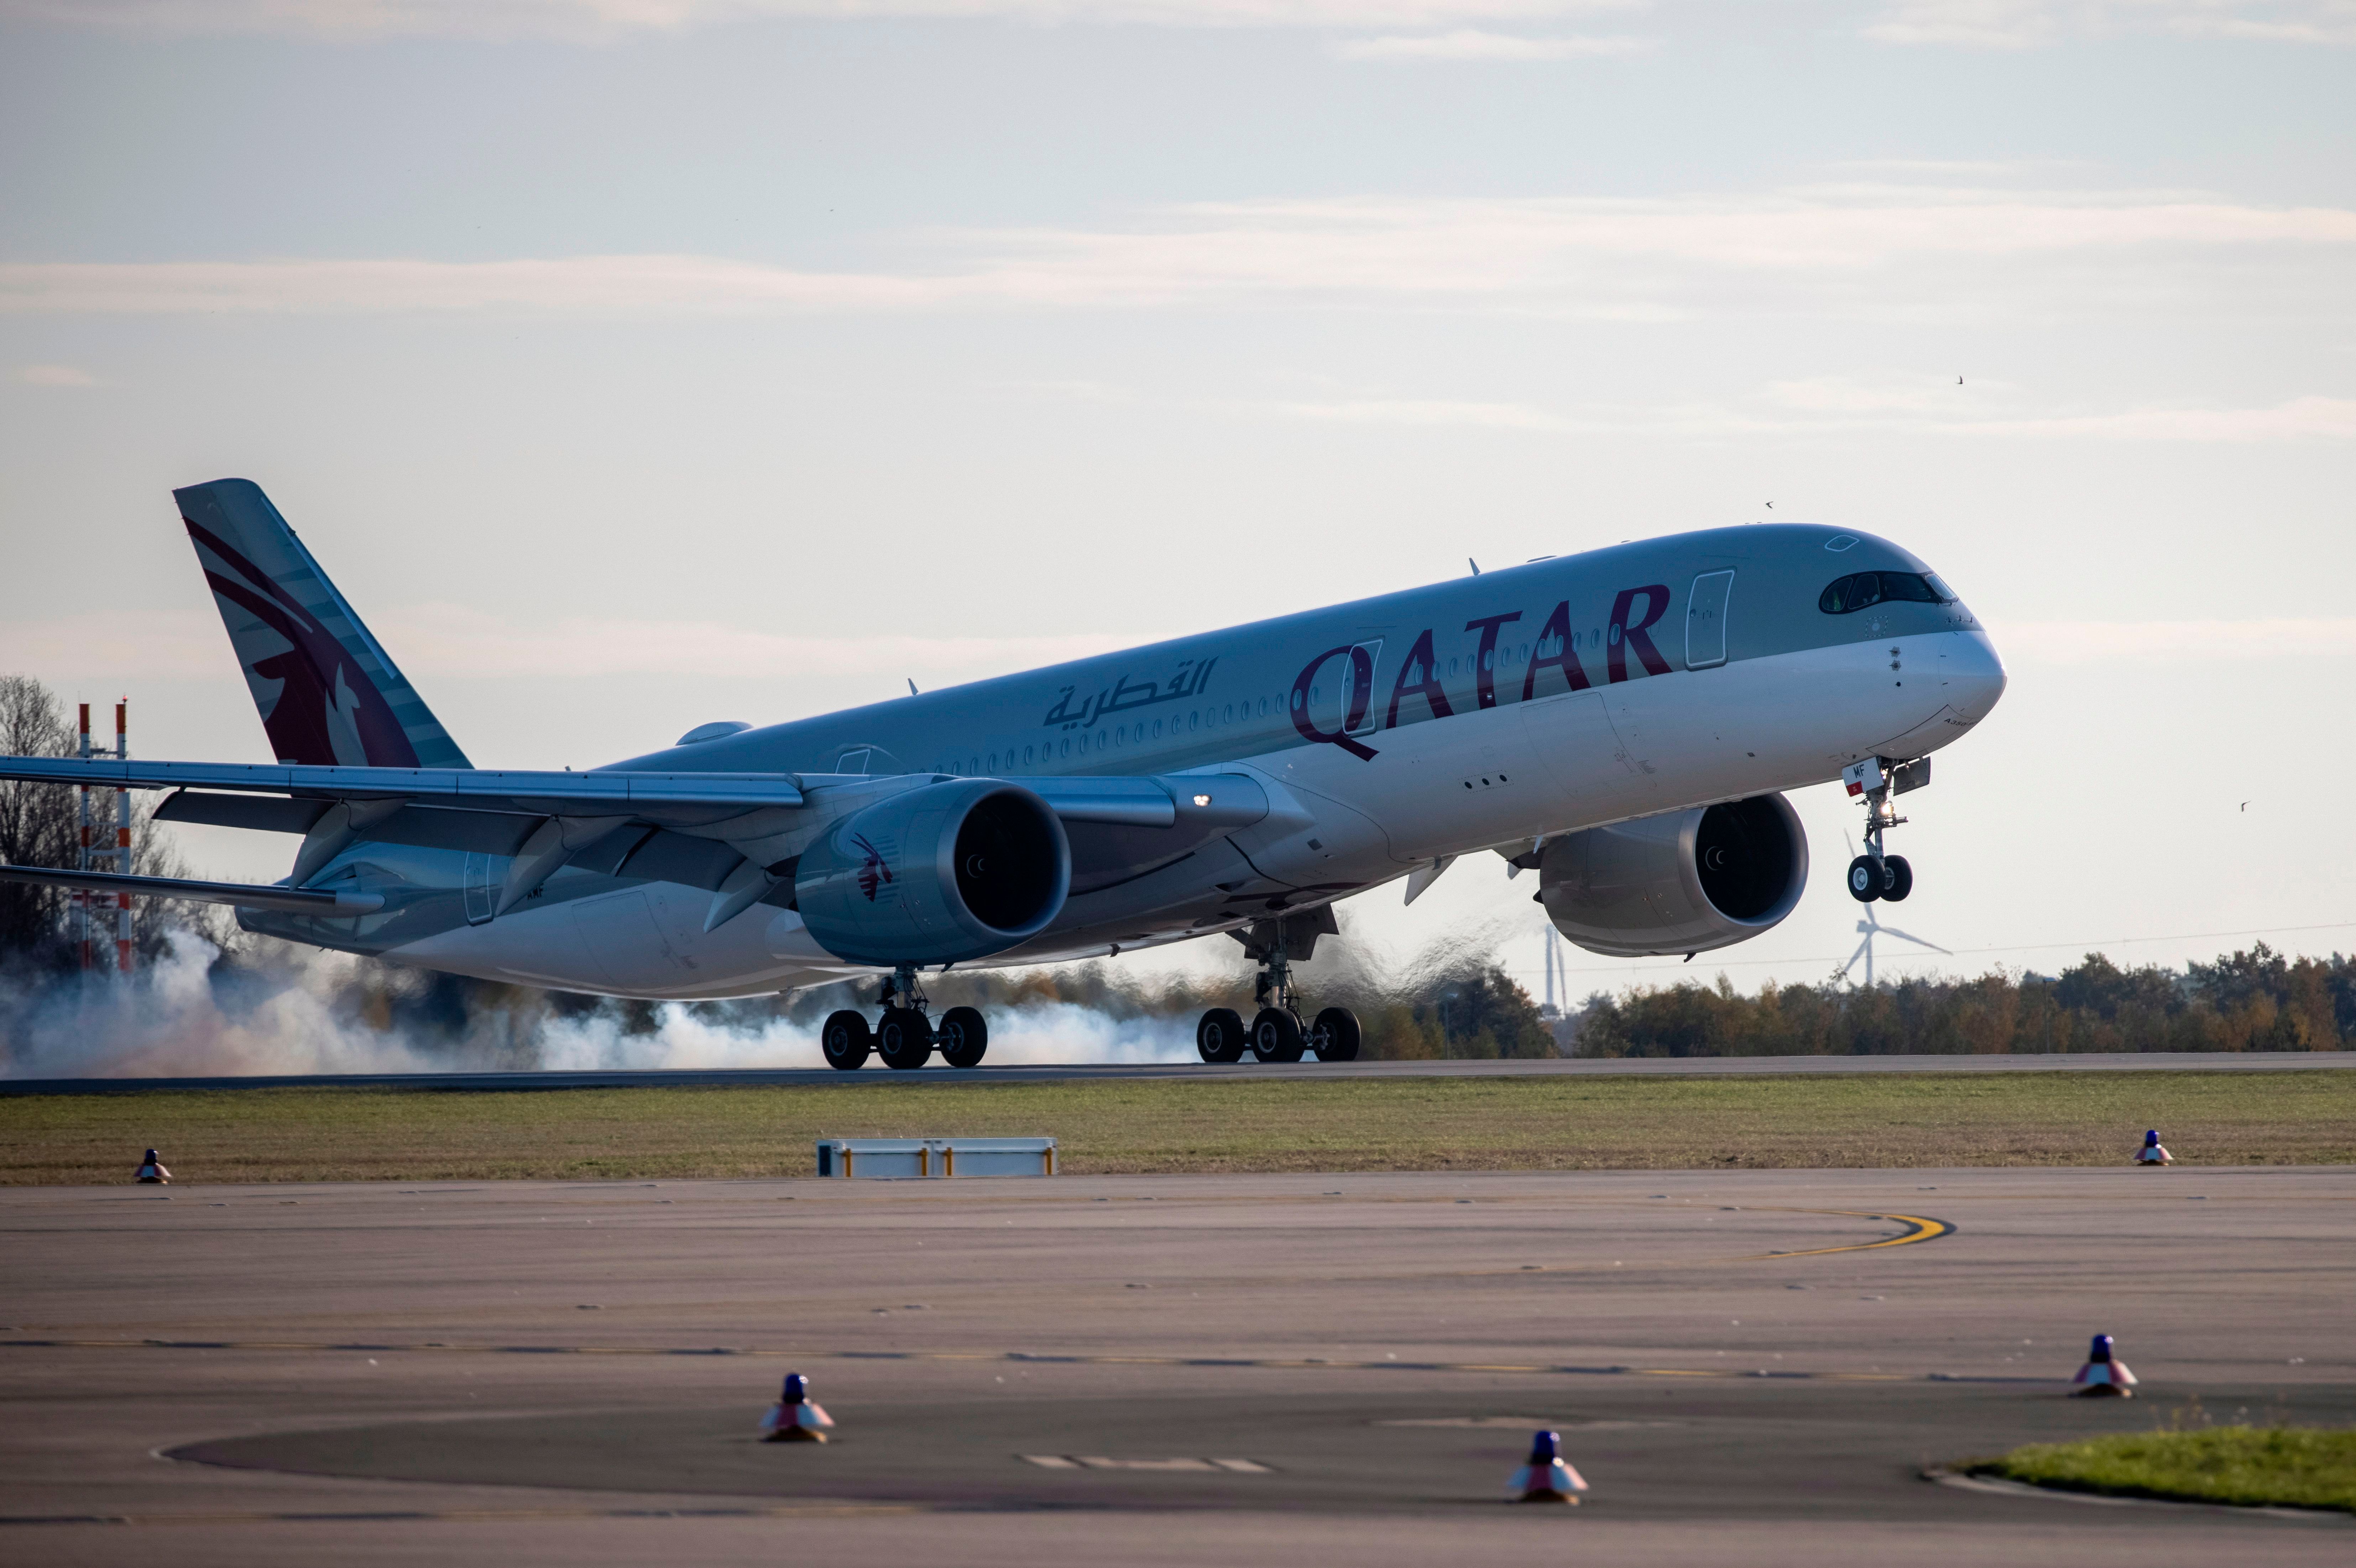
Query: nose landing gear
<point x="1276" y="1033"/>
<point x="904" y="1038"/>
<point x="1875" y="875"/>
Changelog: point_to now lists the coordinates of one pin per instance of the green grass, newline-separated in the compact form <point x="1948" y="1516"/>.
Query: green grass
<point x="1175" y="1124"/>
<point x="2299" y="1466"/>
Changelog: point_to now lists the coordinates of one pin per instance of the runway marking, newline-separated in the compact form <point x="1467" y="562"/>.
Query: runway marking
<point x="1925" y="1229"/>
<point x="469" y="1516"/>
<point x="1021" y="1358"/>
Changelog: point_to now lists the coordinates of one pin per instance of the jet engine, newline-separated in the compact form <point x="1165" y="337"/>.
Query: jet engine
<point x="1685" y="881"/>
<point x="951" y="871"/>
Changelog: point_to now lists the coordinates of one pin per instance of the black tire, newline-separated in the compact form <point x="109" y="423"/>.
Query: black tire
<point x="1864" y="879"/>
<point x="1334" y="1036"/>
<point x="1220" y="1037"/>
<point x="845" y="1040"/>
<point x="964" y="1036"/>
<point x="1897" y="878"/>
<point x="1276" y="1036"/>
<point x="904" y="1039"/>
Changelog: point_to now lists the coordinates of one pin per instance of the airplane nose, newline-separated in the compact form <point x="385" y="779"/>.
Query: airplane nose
<point x="1974" y="675"/>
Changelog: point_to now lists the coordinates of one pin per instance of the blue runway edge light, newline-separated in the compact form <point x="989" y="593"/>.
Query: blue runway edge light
<point x="794" y="1418"/>
<point x="1546" y="1478"/>
<point x="2103" y="1375"/>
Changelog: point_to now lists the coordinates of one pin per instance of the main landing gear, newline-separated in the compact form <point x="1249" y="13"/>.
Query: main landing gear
<point x="1276" y="1033"/>
<point x="1874" y="875"/>
<point x="904" y="1037"/>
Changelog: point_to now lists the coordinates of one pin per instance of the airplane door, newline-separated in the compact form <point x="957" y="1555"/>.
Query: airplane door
<point x="1706" y="619"/>
<point x="476" y="883"/>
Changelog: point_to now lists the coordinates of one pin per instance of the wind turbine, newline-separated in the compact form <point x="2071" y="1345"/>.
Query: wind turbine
<point x="1871" y="927"/>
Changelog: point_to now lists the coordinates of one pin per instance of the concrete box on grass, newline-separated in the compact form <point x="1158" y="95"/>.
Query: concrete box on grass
<point x="893" y="1159"/>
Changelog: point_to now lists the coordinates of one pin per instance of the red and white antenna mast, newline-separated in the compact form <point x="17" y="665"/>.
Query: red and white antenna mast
<point x="117" y="859"/>
<point x="123" y="840"/>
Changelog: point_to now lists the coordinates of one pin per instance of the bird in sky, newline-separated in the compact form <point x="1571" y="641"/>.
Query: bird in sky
<point x="1959" y="380"/>
<point x="1771" y="506"/>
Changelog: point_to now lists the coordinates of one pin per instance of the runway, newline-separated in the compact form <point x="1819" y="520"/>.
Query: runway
<point x="1643" y="1066"/>
<point x="1749" y="1366"/>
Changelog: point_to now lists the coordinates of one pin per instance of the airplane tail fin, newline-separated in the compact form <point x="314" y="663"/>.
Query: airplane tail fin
<point x="327" y="691"/>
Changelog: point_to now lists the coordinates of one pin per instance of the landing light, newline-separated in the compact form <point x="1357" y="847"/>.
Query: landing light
<point x="1201" y="800"/>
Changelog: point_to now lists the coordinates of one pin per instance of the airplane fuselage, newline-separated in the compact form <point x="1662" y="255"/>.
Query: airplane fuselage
<point x="1386" y="734"/>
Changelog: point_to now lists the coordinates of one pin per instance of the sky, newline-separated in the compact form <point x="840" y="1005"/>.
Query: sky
<point x="635" y="363"/>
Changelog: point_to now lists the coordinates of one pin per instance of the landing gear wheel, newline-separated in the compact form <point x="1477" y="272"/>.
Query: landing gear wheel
<point x="964" y="1036"/>
<point x="1276" y="1036"/>
<point x="904" y="1039"/>
<point x="845" y="1040"/>
<point x="1897" y="878"/>
<point x="1865" y="879"/>
<point x="1334" y="1036"/>
<point x="1220" y="1036"/>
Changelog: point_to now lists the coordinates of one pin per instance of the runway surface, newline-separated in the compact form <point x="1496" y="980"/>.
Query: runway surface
<point x="1752" y="1366"/>
<point x="1681" y="1066"/>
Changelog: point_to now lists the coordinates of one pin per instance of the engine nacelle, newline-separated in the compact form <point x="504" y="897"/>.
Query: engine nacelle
<point x="941" y="874"/>
<point x="1686" y="882"/>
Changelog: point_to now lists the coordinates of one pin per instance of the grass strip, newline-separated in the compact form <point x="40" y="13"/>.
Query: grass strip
<point x="365" y="1134"/>
<point x="2288" y="1466"/>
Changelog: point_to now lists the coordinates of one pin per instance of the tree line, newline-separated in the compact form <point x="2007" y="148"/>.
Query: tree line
<point x="2252" y="1000"/>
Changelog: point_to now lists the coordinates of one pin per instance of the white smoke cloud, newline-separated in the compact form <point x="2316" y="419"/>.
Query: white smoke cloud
<point x="296" y="1016"/>
<point x="170" y="1022"/>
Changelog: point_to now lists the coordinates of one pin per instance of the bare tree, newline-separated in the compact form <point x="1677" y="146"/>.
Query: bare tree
<point x="39" y="826"/>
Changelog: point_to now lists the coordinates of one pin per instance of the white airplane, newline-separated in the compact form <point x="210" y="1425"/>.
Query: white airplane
<point x="1620" y="722"/>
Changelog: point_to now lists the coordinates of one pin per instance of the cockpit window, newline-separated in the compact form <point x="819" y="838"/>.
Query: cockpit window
<point x="1864" y="588"/>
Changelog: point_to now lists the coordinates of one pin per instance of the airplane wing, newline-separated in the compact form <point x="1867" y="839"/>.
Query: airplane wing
<point x="1133" y="802"/>
<point x="537" y="793"/>
<point x="729" y="833"/>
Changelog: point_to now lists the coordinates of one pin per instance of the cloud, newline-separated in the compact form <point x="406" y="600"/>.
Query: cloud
<point x="1967" y="24"/>
<point x="1826" y="406"/>
<point x="598" y="20"/>
<point x="1914" y="252"/>
<point x="2036" y="24"/>
<point x="442" y="641"/>
<point x="1430" y="411"/>
<point x="1467" y="44"/>
<point x="56" y="376"/>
